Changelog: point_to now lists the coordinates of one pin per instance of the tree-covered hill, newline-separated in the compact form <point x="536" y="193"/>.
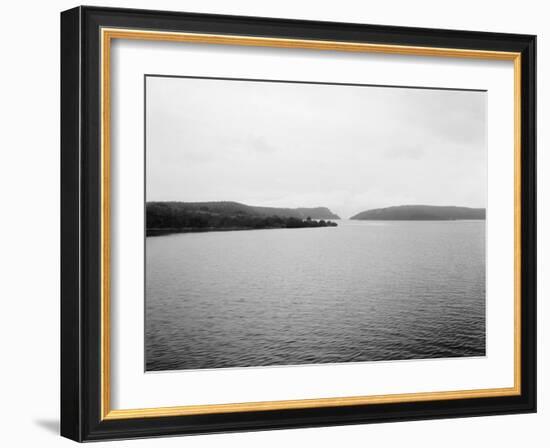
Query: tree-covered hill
<point x="421" y="213"/>
<point x="164" y="217"/>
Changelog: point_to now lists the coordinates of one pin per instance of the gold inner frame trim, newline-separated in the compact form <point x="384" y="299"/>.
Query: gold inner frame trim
<point x="107" y="35"/>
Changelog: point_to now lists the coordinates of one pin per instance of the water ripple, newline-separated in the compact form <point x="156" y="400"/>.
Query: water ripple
<point x="357" y="292"/>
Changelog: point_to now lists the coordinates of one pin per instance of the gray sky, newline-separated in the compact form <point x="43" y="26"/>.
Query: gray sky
<point x="305" y="145"/>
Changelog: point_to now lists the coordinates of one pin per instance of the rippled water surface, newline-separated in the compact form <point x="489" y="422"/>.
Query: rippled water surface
<point x="362" y="291"/>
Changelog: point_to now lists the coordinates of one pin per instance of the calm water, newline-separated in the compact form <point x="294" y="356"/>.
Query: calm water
<point x="363" y="291"/>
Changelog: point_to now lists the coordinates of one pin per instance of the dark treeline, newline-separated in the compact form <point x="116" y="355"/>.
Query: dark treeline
<point x="166" y="217"/>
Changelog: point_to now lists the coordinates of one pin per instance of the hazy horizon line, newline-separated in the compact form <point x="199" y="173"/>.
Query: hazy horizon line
<point x="331" y="209"/>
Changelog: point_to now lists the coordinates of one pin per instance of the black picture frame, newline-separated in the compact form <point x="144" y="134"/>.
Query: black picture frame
<point x="81" y="414"/>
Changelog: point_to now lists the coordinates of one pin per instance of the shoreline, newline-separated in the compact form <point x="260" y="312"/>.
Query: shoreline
<point x="168" y="231"/>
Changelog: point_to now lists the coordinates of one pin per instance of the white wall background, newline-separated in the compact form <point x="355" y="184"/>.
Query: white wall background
<point x="29" y="236"/>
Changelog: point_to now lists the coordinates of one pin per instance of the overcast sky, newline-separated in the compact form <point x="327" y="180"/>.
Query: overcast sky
<point x="349" y="148"/>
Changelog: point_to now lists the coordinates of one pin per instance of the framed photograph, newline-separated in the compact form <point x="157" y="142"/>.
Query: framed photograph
<point x="273" y="223"/>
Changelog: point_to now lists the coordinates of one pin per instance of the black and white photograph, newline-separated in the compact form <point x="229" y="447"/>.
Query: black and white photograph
<point x="295" y="223"/>
<point x="285" y="220"/>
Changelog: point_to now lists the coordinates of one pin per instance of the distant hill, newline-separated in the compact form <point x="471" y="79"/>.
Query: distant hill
<point x="316" y="213"/>
<point x="165" y="217"/>
<point x="421" y="213"/>
<point x="229" y="208"/>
